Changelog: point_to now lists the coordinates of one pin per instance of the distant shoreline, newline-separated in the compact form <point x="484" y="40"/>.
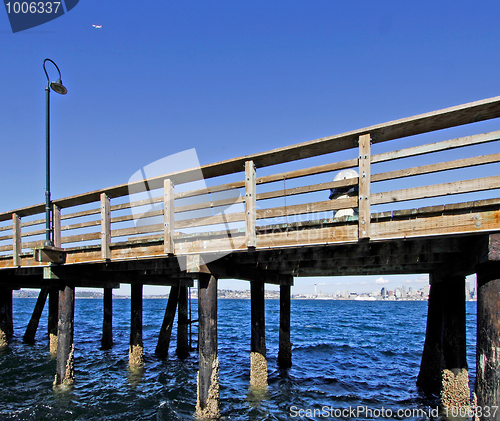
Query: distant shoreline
<point x="238" y="295"/>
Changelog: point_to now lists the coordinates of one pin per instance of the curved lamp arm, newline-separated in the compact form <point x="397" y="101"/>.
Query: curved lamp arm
<point x="57" y="86"/>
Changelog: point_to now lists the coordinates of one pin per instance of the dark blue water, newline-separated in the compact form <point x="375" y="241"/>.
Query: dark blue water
<point x="345" y="354"/>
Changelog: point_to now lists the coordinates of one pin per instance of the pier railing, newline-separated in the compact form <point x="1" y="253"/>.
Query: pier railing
<point x="281" y="198"/>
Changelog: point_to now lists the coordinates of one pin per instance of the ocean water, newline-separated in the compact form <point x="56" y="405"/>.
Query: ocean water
<point x="346" y="354"/>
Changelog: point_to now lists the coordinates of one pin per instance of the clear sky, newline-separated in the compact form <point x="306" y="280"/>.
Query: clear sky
<point x="229" y="78"/>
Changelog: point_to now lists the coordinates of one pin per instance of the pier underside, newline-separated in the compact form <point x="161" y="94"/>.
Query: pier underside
<point x="275" y="266"/>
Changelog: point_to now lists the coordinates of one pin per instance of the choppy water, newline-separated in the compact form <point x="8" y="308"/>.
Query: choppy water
<point x="345" y="354"/>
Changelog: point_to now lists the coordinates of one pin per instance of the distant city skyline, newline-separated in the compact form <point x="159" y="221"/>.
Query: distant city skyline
<point x="328" y="285"/>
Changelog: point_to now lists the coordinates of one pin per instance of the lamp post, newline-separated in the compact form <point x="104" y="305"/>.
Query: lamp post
<point x="59" y="88"/>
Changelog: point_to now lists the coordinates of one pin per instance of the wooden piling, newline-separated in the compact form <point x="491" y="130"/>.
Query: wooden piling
<point x="107" y="323"/>
<point x="53" y="320"/>
<point x="6" y="325"/>
<point x="285" y="345"/>
<point x="10" y="319"/>
<point x="429" y="377"/>
<point x="183" y="324"/>
<point x="168" y="321"/>
<point x="29" y="335"/>
<point x="455" y="391"/>
<point x="258" y="361"/>
<point x="65" y="348"/>
<point x="207" y="405"/>
<point x="136" y="348"/>
<point x="444" y="369"/>
<point x="488" y="338"/>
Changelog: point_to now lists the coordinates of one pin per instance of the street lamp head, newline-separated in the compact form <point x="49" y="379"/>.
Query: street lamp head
<point x="59" y="87"/>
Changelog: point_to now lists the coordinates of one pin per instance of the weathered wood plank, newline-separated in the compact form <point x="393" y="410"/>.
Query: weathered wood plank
<point x="364" y="185"/>
<point x="32" y="223"/>
<point x="320" y="169"/>
<point x="211" y="220"/>
<point x="250" y="204"/>
<point x="80" y="214"/>
<point x="301" y="209"/>
<point x="210" y="205"/>
<point x="81" y="225"/>
<point x="168" y="218"/>
<point x="330" y="235"/>
<point x="436" y="225"/>
<point x="433" y="168"/>
<point x="9" y="226"/>
<point x="137" y="203"/>
<point x="122" y="232"/>
<point x="307" y="189"/>
<point x="143" y="216"/>
<point x="438" y="146"/>
<point x="56" y="215"/>
<point x="33" y="244"/>
<point x="182" y="195"/>
<point x="79" y="237"/>
<point x="211" y="189"/>
<point x="206" y="245"/>
<point x="16" y="239"/>
<point x="435" y="190"/>
<point x="32" y="233"/>
<point x="105" y="227"/>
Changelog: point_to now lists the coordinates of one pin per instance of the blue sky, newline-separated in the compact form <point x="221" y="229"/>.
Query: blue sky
<point x="228" y="78"/>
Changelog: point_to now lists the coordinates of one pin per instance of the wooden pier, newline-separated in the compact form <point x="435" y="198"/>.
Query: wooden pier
<point x="267" y="218"/>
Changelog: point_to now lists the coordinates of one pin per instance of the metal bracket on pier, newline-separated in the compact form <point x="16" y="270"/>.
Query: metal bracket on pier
<point x="50" y="254"/>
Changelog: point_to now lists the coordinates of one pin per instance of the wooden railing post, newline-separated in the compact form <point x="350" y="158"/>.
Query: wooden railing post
<point x="105" y="227"/>
<point x="250" y="204"/>
<point x="364" y="186"/>
<point x="56" y="216"/>
<point x="168" y="217"/>
<point x="16" y="239"/>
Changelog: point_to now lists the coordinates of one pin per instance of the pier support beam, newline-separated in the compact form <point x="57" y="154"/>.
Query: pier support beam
<point x="183" y="324"/>
<point x="29" y="335"/>
<point x="65" y="348"/>
<point x="488" y="325"/>
<point x="285" y="345"/>
<point x="444" y="369"/>
<point x="429" y="377"/>
<point x="6" y="324"/>
<point x="488" y="337"/>
<point x="168" y="322"/>
<point x="53" y="320"/>
<point x="455" y="391"/>
<point x="207" y="405"/>
<point x="107" y="322"/>
<point x="258" y="361"/>
<point x="136" y="349"/>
